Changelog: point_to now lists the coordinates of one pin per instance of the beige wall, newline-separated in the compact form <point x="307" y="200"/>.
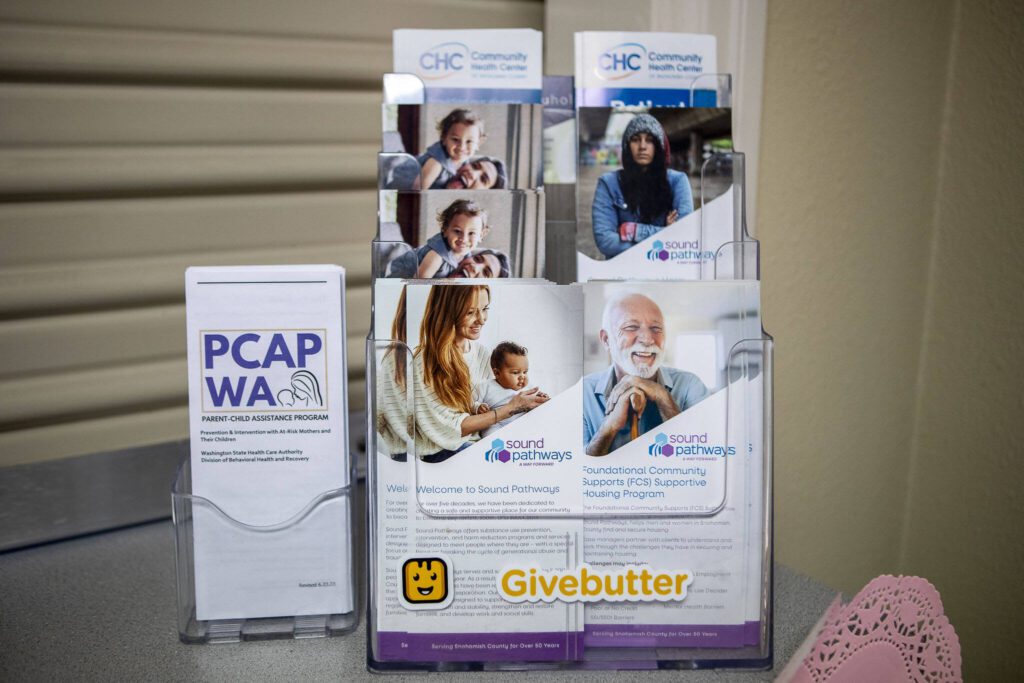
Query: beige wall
<point x="890" y="212"/>
<point x="853" y="99"/>
<point x="965" y="504"/>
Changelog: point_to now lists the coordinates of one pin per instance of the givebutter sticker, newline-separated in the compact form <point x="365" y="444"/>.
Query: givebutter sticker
<point x="635" y="583"/>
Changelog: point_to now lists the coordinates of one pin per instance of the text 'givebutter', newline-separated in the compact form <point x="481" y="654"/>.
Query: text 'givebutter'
<point x="586" y="584"/>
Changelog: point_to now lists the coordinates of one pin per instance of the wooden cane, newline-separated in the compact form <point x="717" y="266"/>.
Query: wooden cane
<point x="634" y="426"/>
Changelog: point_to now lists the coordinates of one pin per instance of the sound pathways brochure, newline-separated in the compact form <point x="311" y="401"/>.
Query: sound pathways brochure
<point x="679" y="355"/>
<point x="654" y="192"/>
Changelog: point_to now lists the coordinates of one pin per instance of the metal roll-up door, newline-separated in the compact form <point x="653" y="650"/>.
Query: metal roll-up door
<point x="138" y="138"/>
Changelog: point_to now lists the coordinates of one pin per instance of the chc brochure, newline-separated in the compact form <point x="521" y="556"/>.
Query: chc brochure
<point x="644" y="69"/>
<point x="473" y="65"/>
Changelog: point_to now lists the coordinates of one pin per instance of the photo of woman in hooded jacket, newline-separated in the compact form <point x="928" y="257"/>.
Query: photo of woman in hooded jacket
<point x="638" y="200"/>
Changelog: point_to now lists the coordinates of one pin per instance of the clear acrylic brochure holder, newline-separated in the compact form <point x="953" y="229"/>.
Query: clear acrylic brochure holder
<point x="391" y="445"/>
<point x="265" y="547"/>
<point x="749" y="421"/>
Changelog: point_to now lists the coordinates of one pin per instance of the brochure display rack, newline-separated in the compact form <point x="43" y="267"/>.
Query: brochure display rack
<point x="570" y="475"/>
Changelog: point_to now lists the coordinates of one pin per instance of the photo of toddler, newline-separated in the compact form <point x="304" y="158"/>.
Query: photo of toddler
<point x="460" y="133"/>
<point x="511" y="368"/>
<point x="463" y="225"/>
<point x="455" y="146"/>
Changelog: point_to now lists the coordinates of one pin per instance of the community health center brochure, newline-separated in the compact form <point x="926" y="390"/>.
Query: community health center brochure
<point x="478" y="65"/>
<point x="619" y="69"/>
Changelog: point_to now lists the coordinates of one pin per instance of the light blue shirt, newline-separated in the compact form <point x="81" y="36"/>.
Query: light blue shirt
<point x="495" y="396"/>
<point x="406" y="265"/>
<point x="610" y="210"/>
<point x="438" y="153"/>
<point x="685" y="388"/>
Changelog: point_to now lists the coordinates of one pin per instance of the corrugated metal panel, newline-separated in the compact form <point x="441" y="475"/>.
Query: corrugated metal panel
<point x="138" y="138"/>
<point x="97" y="170"/>
<point x="327" y="19"/>
<point x="150" y="55"/>
<point x="87" y="115"/>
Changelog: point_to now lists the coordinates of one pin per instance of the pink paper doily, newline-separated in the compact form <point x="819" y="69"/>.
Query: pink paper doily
<point x="893" y="630"/>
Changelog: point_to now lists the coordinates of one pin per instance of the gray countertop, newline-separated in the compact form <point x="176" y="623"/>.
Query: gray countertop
<point x="102" y="607"/>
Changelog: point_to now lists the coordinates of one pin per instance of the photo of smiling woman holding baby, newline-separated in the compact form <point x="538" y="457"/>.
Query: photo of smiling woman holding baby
<point x="448" y="362"/>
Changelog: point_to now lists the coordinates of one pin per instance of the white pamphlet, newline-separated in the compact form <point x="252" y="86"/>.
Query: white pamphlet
<point x="268" y="421"/>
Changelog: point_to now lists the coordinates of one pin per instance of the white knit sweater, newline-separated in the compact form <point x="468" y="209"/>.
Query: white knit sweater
<point x="439" y="427"/>
<point x="393" y="415"/>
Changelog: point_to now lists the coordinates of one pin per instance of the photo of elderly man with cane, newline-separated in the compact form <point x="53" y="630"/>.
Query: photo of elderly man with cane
<point x="635" y="394"/>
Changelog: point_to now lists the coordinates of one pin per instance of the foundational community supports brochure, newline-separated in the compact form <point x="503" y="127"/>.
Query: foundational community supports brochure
<point x="706" y="459"/>
<point x="268" y="420"/>
<point x="676" y="465"/>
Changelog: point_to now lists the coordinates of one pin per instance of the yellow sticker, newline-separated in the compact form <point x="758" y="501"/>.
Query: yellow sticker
<point x="426" y="582"/>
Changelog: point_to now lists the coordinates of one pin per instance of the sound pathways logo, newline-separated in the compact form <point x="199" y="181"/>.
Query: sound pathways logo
<point x="657" y="252"/>
<point x="679" y="445"/>
<point x="524" y="452"/>
<point x="661" y="447"/>
<point x="497" y="452"/>
<point x="678" y="252"/>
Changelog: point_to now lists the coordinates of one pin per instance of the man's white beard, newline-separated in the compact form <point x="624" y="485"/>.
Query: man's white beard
<point x="623" y="358"/>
